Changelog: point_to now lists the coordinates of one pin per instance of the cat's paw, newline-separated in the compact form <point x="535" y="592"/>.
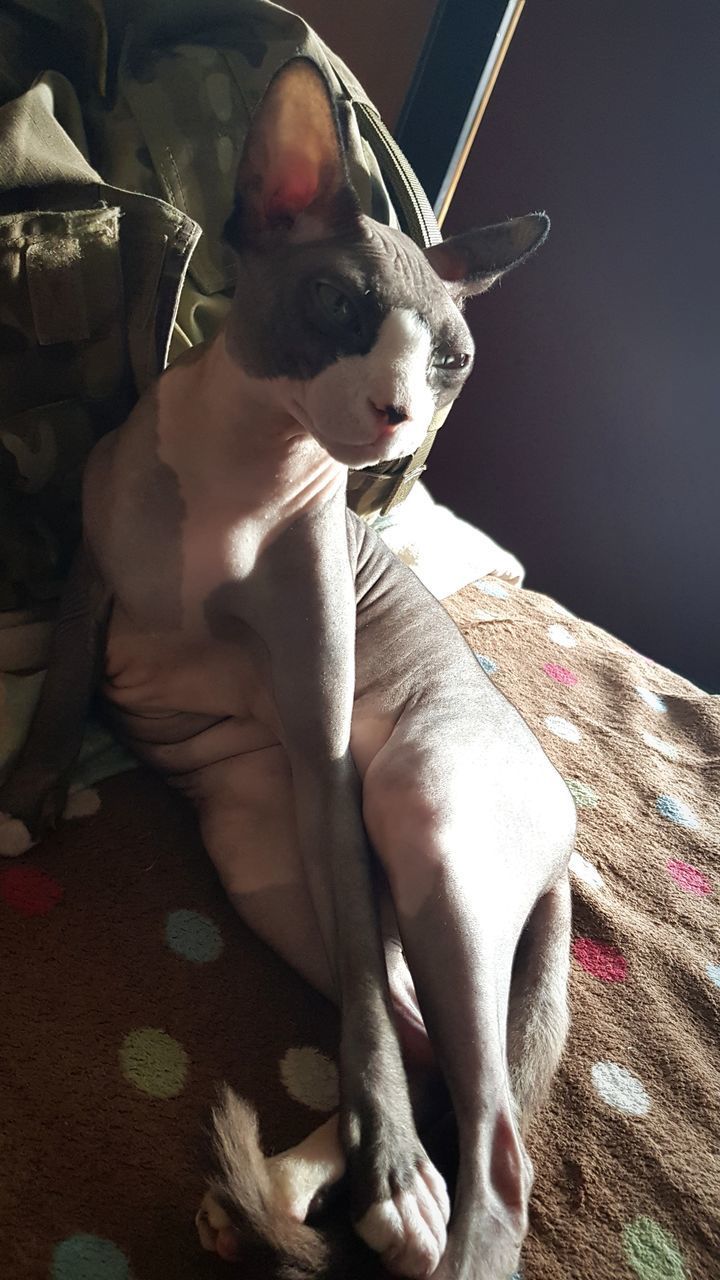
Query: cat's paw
<point x="409" y="1228"/>
<point x="216" y="1231"/>
<point x="31" y="803"/>
<point x="14" y="837"/>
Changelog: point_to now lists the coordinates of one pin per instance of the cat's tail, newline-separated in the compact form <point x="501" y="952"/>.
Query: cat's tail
<point x="538" y="1017"/>
<point x="242" y="1187"/>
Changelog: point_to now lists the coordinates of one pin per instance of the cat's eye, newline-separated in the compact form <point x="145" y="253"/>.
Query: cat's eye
<point x="452" y="360"/>
<point x="338" y="307"/>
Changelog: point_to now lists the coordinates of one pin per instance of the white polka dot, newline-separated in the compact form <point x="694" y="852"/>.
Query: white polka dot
<point x="225" y="150"/>
<point x="659" y="744"/>
<point x="562" y="728"/>
<point x="620" y="1089"/>
<point x="82" y="804"/>
<point x="217" y="86"/>
<point x="651" y="699"/>
<point x="491" y="588"/>
<point x="585" y="871"/>
<point x="310" y="1078"/>
<point x="482" y="615"/>
<point x="560" y="635"/>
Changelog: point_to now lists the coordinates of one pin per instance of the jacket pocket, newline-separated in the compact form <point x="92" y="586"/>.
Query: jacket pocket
<point x="62" y="331"/>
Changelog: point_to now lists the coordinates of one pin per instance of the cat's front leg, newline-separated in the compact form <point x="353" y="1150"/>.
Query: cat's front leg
<point x="399" y="1201"/>
<point x="300" y="602"/>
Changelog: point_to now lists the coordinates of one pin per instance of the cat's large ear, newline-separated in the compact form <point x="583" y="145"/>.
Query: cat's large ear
<point x="292" y="180"/>
<point x="472" y="262"/>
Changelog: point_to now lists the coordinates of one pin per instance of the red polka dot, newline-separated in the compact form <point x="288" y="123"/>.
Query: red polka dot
<point x="561" y="674"/>
<point x="600" y="959"/>
<point x="689" y="878"/>
<point x="29" y="890"/>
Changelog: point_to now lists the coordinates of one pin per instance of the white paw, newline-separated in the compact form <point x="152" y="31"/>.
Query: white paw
<point x="216" y="1231"/>
<point x="14" y="837"/>
<point x="409" y="1230"/>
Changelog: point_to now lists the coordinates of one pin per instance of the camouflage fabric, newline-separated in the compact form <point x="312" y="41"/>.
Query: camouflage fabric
<point x="121" y="124"/>
<point x="89" y="281"/>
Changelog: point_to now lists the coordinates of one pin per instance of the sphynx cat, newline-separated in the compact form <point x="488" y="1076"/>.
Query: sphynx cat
<point x="376" y="810"/>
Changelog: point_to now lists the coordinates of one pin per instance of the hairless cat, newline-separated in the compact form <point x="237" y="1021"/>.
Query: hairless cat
<point x="376" y="810"/>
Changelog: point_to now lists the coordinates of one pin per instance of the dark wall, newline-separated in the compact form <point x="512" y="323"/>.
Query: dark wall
<point x="589" y="438"/>
<point x="380" y="40"/>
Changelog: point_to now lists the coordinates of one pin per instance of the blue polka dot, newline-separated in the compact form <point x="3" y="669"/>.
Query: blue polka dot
<point x="651" y="699"/>
<point x="675" y="811"/>
<point x="490" y="588"/>
<point x="193" y="936"/>
<point x="713" y="973"/>
<point x="487" y="664"/>
<point x="86" y="1257"/>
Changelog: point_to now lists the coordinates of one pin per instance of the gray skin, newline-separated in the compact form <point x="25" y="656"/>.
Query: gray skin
<point x="259" y="646"/>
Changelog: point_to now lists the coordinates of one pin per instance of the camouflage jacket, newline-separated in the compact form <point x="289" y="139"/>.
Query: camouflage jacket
<point x="116" y="175"/>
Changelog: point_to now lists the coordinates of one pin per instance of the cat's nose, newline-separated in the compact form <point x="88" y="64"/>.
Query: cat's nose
<point x="389" y="415"/>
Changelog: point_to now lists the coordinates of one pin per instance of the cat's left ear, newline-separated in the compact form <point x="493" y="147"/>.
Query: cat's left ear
<point x="472" y="262"/>
<point x="292" y="180"/>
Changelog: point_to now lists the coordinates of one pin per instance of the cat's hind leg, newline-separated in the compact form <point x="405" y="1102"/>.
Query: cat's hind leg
<point x="474" y="830"/>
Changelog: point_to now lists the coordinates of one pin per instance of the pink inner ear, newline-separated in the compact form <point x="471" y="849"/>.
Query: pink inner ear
<point x="293" y="189"/>
<point x="449" y="264"/>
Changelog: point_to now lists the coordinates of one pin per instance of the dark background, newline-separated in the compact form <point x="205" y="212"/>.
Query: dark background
<point x="588" y="440"/>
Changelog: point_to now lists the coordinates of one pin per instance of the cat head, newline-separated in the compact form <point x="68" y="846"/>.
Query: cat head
<point x="361" y="329"/>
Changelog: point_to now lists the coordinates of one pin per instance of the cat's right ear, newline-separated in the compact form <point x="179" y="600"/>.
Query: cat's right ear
<point x="292" y="181"/>
<point x="472" y="262"/>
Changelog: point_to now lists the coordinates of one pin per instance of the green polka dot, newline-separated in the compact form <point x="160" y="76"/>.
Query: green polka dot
<point x="193" y="936"/>
<point x="582" y="794"/>
<point x="311" y="1078"/>
<point x="154" y="1062"/>
<point x="89" y="1258"/>
<point x="651" y="1252"/>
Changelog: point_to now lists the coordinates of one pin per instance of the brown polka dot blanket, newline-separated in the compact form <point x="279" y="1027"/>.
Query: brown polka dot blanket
<point x="130" y="990"/>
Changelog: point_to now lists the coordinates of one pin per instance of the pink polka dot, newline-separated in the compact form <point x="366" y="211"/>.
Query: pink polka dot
<point x="29" y="890"/>
<point x="600" y="959"/>
<point x="561" y="674"/>
<point x="689" y="878"/>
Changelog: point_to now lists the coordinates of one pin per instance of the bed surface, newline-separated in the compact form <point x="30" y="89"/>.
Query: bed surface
<point x="130" y="990"/>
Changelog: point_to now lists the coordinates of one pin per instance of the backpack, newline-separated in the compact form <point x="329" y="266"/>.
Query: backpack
<point x="116" y="176"/>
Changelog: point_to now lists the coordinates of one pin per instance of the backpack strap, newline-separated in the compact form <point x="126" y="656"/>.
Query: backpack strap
<point x="408" y="195"/>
